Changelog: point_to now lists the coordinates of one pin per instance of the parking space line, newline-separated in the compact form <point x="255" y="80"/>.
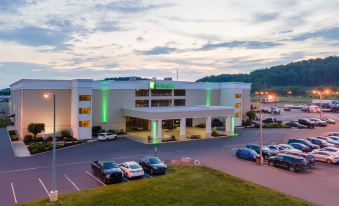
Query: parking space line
<point x="103" y="184"/>
<point x="44" y="186"/>
<point x="148" y="175"/>
<point x="14" y="196"/>
<point x="76" y="187"/>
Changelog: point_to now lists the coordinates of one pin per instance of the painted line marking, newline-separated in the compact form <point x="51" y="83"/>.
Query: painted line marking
<point x="14" y="196"/>
<point x="103" y="184"/>
<point x="76" y="187"/>
<point x="44" y="187"/>
<point x="148" y="176"/>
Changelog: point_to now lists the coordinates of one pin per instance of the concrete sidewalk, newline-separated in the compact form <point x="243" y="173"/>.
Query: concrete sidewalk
<point x="20" y="149"/>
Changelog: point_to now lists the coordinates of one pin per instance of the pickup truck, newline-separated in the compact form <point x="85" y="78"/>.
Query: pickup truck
<point x="107" y="171"/>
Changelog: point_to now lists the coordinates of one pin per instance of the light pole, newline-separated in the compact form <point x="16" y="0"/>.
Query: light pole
<point x="261" y="94"/>
<point x="53" y="195"/>
<point x="321" y="93"/>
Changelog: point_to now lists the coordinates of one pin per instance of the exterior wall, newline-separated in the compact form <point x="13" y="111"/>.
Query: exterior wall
<point x="246" y="102"/>
<point x="227" y="98"/>
<point x="115" y="100"/>
<point x="37" y="109"/>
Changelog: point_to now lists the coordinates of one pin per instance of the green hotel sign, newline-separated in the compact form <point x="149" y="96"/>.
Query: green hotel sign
<point x="157" y="85"/>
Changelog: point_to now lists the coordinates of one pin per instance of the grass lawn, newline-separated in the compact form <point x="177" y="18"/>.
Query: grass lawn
<point x="184" y="186"/>
<point x="5" y="122"/>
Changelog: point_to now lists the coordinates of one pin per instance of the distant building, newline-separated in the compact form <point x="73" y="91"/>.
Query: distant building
<point x="128" y="105"/>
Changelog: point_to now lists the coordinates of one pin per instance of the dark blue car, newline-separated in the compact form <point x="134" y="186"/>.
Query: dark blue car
<point x="301" y="147"/>
<point x="247" y="154"/>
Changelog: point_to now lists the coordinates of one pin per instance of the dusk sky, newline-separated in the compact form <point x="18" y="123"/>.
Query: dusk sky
<point x="65" y="39"/>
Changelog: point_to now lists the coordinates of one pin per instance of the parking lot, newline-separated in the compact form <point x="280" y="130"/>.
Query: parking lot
<point x="26" y="179"/>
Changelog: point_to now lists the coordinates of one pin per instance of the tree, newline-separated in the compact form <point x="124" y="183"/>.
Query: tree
<point x="36" y="128"/>
<point x="250" y="115"/>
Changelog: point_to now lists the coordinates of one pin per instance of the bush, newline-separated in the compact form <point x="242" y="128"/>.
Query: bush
<point x="250" y="115"/>
<point x="5" y="122"/>
<point x="36" y="128"/>
<point x="28" y="139"/>
<point x="66" y="133"/>
<point x="39" y="147"/>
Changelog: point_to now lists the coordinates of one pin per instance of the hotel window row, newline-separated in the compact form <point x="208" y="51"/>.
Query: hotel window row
<point x="85" y="123"/>
<point x="160" y="103"/>
<point x="160" y="92"/>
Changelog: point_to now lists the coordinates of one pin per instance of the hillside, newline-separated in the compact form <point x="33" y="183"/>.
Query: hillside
<point x="307" y="73"/>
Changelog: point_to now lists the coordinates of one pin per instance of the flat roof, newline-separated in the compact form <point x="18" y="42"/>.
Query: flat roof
<point x="178" y="112"/>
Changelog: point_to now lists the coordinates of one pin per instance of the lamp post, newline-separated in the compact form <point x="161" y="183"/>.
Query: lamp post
<point x="53" y="195"/>
<point x="321" y="93"/>
<point x="261" y="94"/>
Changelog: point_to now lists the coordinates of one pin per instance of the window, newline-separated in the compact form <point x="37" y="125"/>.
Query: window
<point x="161" y="103"/>
<point x="161" y="92"/>
<point x="237" y="105"/>
<point x="85" y="97"/>
<point x="84" y="110"/>
<point x="141" y="92"/>
<point x="237" y="114"/>
<point x="179" y="102"/>
<point x="179" y="92"/>
<point x="85" y="123"/>
<point x="237" y="95"/>
<point x="141" y="103"/>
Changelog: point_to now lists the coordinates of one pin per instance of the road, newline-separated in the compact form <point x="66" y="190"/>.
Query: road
<point x="25" y="179"/>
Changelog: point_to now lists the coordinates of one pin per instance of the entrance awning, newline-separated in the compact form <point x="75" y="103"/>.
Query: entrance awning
<point x="155" y="113"/>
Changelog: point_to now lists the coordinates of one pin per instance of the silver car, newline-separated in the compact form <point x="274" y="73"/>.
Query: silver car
<point x="325" y="156"/>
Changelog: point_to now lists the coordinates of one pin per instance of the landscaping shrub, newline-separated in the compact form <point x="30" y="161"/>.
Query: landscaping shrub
<point x="28" y="139"/>
<point x="5" y="122"/>
<point x="36" y="128"/>
<point x="37" y="147"/>
<point x="66" y="133"/>
<point x="214" y="134"/>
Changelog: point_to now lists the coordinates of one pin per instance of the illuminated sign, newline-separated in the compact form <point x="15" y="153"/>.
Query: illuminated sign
<point x="157" y="85"/>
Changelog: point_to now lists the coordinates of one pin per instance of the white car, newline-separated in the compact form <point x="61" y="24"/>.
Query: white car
<point x="331" y="149"/>
<point x="131" y="169"/>
<point x="289" y="148"/>
<point x="328" y="157"/>
<point x="333" y="140"/>
<point x="105" y="136"/>
<point x="319" y="122"/>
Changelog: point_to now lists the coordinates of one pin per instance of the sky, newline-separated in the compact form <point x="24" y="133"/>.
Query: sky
<point x="67" y="39"/>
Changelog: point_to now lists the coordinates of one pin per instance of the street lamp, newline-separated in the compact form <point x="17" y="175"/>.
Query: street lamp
<point x="261" y="94"/>
<point x="321" y="93"/>
<point x="53" y="195"/>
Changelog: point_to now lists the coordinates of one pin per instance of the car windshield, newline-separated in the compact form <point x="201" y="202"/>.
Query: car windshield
<point x="154" y="160"/>
<point x="334" y="138"/>
<point x="109" y="165"/>
<point x="265" y="148"/>
<point x="134" y="166"/>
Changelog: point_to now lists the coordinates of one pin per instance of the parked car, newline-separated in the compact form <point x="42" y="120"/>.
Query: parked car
<point x="320" y="142"/>
<point x="105" y="136"/>
<point x="296" y="124"/>
<point x="305" y="142"/>
<point x="329" y="120"/>
<point x="153" y="165"/>
<point x="331" y="149"/>
<point x="333" y="140"/>
<point x="266" y="152"/>
<point x="301" y="147"/>
<point x="291" y="162"/>
<point x="275" y="110"/>
<point x="247" y="154"/>
<point x="168" y="138"/>
<point x="332" y="134"/>
<point x="327" y="157"/>
<point x="307" y="123"/>
<point x="131" y="169"/>
<point x="271" y="120"/>
<point x="289" y="148"/>
<point x="308" y="157"/>
<point x="107" y="171"/>
<point x="319" y="122"/>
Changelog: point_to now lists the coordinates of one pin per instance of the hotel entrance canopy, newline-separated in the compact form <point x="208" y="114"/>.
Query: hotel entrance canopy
<point x="179" y="112"/>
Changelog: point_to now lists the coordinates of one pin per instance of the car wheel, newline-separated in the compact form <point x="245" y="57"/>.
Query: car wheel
<point x="266" y="157"/>
<point x="152" y="172"/>
<point x="292" y="168"/>
<point x="271" y="164"/>
<point x="329" y="161"/>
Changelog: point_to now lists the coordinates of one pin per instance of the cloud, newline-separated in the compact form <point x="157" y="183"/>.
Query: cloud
<point x="244" y="44"/>
<point x="35" y="36"/>
<point x="328" y="34"/>
<point x="158" y="51"/>
<point x="140" y="39"/>
<point x="109" y="26"/>
<point x="132" y="6"/>
<point x="265" y="17"/>
<point x="11" y="6"/>
<point x="193" y="20"/>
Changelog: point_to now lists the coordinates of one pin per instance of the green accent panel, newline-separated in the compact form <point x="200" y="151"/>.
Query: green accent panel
<point x="232" y="126"/>
<point x="152" y="85"/>
<point x="104" y="105"/>
<point x="208" y="97"/>
<point x="154" y="131"/>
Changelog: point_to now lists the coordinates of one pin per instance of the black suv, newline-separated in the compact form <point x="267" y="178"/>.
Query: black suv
<point x="291" y="162"/>
<point x="308" y="157"/>
<point x="108" y="171"/>
<point x="266" y="152"/>
<point x="321" y="143"/>
<point x="304" y="142"/>
<point x="307" y="123"/>
<point x="153" y="165"/>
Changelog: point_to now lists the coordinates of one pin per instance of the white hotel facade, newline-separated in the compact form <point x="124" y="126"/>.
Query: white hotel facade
<point x="149" y="105"/>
